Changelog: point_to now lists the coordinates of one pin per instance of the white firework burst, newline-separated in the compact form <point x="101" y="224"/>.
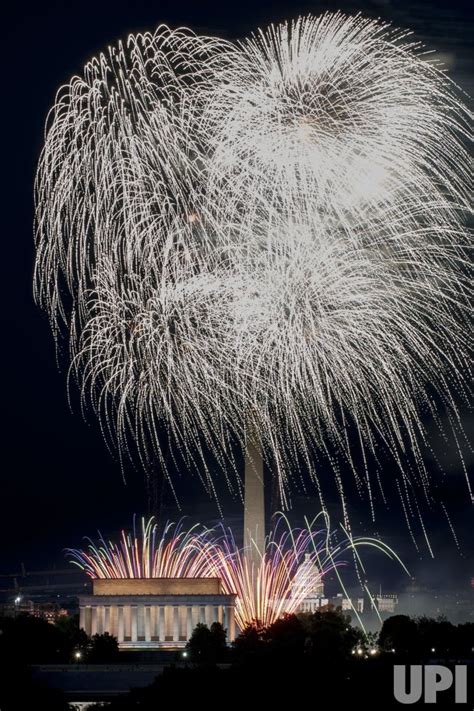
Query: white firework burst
<point x="268" y="234"/>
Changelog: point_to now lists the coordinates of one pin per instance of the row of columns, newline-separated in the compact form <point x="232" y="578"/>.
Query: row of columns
<point x="172" y="623"/>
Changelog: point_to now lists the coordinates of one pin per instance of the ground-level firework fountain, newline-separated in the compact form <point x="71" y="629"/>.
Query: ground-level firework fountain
<point x="261" y="591"/>
<point x="142" y="553"/>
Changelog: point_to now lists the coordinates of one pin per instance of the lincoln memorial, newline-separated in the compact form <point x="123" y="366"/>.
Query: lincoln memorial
<point x="155" y="613"/>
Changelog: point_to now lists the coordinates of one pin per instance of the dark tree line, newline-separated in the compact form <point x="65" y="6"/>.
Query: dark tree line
<point x="26" y="640"/>
<point x="321" y="655"/>
<point x="318" y="659"/>
<point x="31" y="640"/>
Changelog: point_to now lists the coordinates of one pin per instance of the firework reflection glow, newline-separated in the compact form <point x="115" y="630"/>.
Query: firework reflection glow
<point x="268" y="234"/>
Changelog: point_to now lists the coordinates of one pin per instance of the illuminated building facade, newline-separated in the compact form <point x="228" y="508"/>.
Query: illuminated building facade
<point x="155" y="613"/>
<point x="308" y="577"/>
<point x="386" y="602"/>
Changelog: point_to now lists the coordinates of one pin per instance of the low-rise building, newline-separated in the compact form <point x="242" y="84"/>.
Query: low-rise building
<point x="155" y="613"/>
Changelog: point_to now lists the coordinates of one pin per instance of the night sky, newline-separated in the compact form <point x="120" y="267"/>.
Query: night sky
<point x="59" y="481"/>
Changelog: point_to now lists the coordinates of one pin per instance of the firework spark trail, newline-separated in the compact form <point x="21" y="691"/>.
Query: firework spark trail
<point x="280" y="582"/>
<point x="269" y="233"/>
<point x="143" y="555"/>
<point x="293" y="562"/>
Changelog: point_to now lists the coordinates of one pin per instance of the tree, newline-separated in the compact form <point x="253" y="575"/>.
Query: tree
<point x="26" y="640"/>
<point x="286" y="636"/>
<point x="103" y="649"/>
<point x="435" y="636"/>
<point x="207" y="645"/>
<point x="249" y="641"/>
<point x="32" y="640"/>
<point x="219" y="640"/>
<point x="400" y="633"/>
<point x="331" y="635"/>
<point x="76" y="638"/>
